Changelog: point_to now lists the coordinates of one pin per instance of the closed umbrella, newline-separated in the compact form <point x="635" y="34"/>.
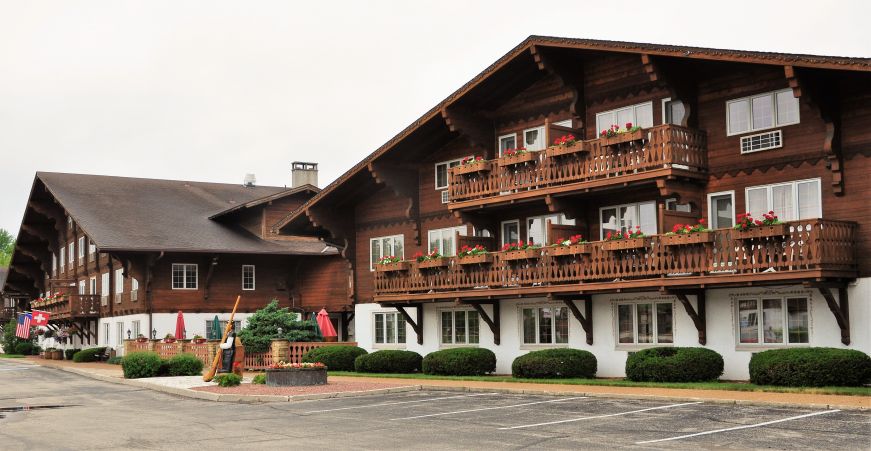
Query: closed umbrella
<point x="179" y="326"/>
<point x="215" y="330"/>
<point x="326" y="326"/>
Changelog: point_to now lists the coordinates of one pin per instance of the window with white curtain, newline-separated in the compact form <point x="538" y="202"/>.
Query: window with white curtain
<point x="789" y="201"/>
<point x="623" y="218"/>
<point x="533" y="138"/>
<point x="385" y="246"/>
<point x="640" y="115"/>
<point x="442" y="240"/>
<point x="536" y="227"/>
<point x="762" y="111"/>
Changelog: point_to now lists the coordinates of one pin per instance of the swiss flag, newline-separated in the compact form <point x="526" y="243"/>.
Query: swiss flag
<point x="40" y="318"/>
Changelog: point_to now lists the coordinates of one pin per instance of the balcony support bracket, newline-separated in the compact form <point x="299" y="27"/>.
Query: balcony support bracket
<point x="571" y="75"/>
<point x="405" y="184"/>
<point x="479" y="132"/>
<point x="416" y="325"/>
<point x="696" y="314"/>
<point x="491" y="321"/>
<point x="586" y="319"/>
<point x="840" y="307"/>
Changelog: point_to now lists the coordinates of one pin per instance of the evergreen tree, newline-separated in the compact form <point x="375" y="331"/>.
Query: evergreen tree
<point x="263" y="326"/>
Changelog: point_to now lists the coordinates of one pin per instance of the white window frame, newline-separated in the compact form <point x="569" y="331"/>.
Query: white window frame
<point x="560" y="220"/>
<point x="775" y="119"/>
<point x="464" y="230"/>
<point x="385" y="344"/>
<point x="711" y="197"/>
<point x="135" y="329"/>
<point x="761" y="344"/>
<point x="454" y="329"/>
<point x="655" y="331"/>
<point x="538" y="344"/>
<point x="567" y="123"/>
<point x="92" y="248"/>
<point x="400" y="237"/>
<point x="72" y="252"/>
<point x="119" y="284"/>
<point x="119" y="328"/>
<point x="769" y="199"/>
<point x="81" y="248"/>
<point x="600" y="127"/>
<point x="665" y="102"/>
<point x="92" y="286"/>
<point x="62" y="259"/>
<point x="81" y="287"/>
<point x="541" y="131"/>
<point x="500" y="138"/>
<point x="134" y="289"/>
<point x="185" y="268"/>
<point x="253" y="277"/>
<point x="54" y="263"/>
<point x="637" y="206"/>
<point x="106" y="329"/>
<point x="502" y="237"/>
<point x="447" y="164"/>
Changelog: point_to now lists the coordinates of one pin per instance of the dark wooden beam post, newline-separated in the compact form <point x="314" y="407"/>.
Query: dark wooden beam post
<point x="416" y="325"/>
<point x="492" y="322"/>
<point x="478" y="131"/>
<point x="404" y="182"/>
<point x="586" y="319"/>
<point x="570" y="74"/>
<point x="213" y="262"/>
<point x="840" y="308"/>
<point x="697" y="315"/>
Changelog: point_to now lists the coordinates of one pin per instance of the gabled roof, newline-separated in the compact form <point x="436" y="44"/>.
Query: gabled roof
<point x="307" y="188"/>
<point x="671" y="51"/>
<point x="137" y="214"/>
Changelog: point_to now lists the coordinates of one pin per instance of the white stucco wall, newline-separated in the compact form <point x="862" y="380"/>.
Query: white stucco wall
<point x="721" y="327"/>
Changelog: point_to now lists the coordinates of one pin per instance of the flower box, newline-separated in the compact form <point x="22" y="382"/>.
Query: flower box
<point x="432" y="263"/>
<point x="391" y="267"/>
<point x="574" y="249"/>
<point x="626" y="243"/>
<point x="475" y="259"/>
<point x="621" y="138"/>
<point x="687" y="238"/>
<point x="472" y="168"/>
<point x="295" y="377"/>
<point x="518" y="158"/>
<point x="559" y="151"/>
<point x="764" y="231"/>
<point x="522" y="254"/>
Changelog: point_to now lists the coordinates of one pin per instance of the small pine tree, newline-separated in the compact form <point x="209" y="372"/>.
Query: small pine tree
<point x="263" y="327"/>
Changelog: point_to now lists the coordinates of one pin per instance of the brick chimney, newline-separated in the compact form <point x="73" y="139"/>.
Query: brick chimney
<point x="304" y="173"/>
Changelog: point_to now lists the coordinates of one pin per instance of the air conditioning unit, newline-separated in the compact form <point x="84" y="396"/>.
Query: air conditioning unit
<point x="445" y="197"/>
<point x="761" y="141"/>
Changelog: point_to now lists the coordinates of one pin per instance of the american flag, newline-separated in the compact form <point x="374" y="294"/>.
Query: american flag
<point x="23" y="329"/>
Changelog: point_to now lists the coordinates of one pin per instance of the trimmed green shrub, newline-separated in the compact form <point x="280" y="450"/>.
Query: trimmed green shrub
<point x="69" y="353"/>
<point x="265" y="323"/>
<point x="184" y="365"/>
<point x="388" y="361"/>
<point x="550" y="363"/>
<point x="336" y="358"/>
<point x="811" y="367"/>
<point x="460" y="362"/>
<point x="115" y="360"/>
<point x="140" y="364"/>
<point x="259" y="379"/>
<point x="36" y="350"/>
<point x="228" y="380"/>
<point x="674" y="365"/>
<point x="89" y="355"/>
<point x="23" y="348"/>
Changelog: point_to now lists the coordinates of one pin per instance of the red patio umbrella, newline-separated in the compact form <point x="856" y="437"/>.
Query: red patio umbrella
<point x="179" y="326"/>
<point x="326" y="326"/>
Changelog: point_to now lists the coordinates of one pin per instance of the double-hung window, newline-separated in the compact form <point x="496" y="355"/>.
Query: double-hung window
<point x="640" y="323"/>
<point x="773" y="320"/>
<point x="184" y="276"/>
<point x="119" y="284"/>
<point x="721" y="209"/>
<point x="92" y="286"/>
<point x="459" y="327"/>
<point x="673" y="111"/>
<point x="510" y="231"/>
<point x="507" y="142"/>
<point x="134" y="290"/>
<point x="247" y="277"/>
<point x="789" y="201"/>
<point x="389" y="328"/>
<point x="442" y="240"/>
<point x="104" y="288"/>
<point x="92" y="248"/>
<point x="385" y="246"/>
<point x="63" y="260"/>
<point x="533" y="138"/>
<point x="536" y="227"/>
<point x="762" y="111"/>
<point x="81" y="287"/>
<point x="81" y="249"/>
<point x="53" y="263"/>
<point x="623" y="218"/>
<point x="72" y="253"/>
<point x="441" y="173"/>
<point x="136" y="330"/>
<point x="640" y="115"/>
<point x="545" y="325"/>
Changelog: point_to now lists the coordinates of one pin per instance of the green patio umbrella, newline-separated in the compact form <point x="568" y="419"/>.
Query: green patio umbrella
<point x="214" y="332"/>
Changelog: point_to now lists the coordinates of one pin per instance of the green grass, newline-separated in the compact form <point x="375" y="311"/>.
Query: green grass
<point x="719" y="385"/>
<point x="11" y="356"/>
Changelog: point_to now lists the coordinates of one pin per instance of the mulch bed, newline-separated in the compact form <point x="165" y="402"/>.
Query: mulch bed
<point x="331" y="387"/>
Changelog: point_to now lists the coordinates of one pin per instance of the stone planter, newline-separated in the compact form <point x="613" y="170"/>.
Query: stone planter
<point x="440" y="262"/>
<point x="391" y="267"/>
<point x="472" y="168"/>
<point x="475" y="259"/>
<point x="574" y="249"/>
<point x="621" y="138"/>
<point x="776" y="230"/>
<point x="515" y="159"/>
<point x="686" y="239"/>
<point x="626" y="243"/>
<point x="523" y="254"/>
<point x="560" y="151"/>
<point x="295" y="377"/>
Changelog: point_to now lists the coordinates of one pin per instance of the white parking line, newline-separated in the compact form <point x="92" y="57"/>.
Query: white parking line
<point x="399" y="402"/>
<point x="597" y="416"/>
<point x="15" y="368"/>
<point x="487" y="408"/>
<point x="737" y="427"/>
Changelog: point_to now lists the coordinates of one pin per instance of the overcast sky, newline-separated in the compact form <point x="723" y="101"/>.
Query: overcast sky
<point x="211" y="90"/>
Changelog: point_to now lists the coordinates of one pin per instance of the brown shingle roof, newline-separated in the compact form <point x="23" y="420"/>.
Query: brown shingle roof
<point x="136" y="214"/>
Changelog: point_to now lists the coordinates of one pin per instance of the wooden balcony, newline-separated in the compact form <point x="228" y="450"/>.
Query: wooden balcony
<point x="810" y="250"/>
<point x="71" y="306"/>
<point x="664" y="151"/>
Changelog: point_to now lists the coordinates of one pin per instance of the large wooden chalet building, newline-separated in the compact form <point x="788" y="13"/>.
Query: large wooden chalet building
<point x="723" y="132"/>
<point x="128" y="254"/>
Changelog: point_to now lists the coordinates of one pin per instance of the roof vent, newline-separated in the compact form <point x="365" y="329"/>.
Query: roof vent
<point x="303" y="173"/>
<point x="250" y="180"/>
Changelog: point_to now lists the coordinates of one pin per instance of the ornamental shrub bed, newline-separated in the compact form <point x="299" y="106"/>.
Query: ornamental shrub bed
<point x="259" y="379"/>
<point x="460" y="362"/>
<point x="184" y="365"/>
<point x="810" y="367"/>
<point x="228" y="380"/>
<point x="89" y="355"/>
<point x="555" y="363"/>
<point x="23" y="348"/>
<point x="388" y="361"/>
<point x="141" y="364"/>
<point x="674" y="365"/>
<point x="336" y="358"/>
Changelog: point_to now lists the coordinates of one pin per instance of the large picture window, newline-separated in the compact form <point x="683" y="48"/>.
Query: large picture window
<point x="640" y="115"/>
<point x="545" y="325"/>
<point x="773" y="321"/>
<point x="389" y="328"/>
<point x="622" y="218"/>
<point x="789" y="201"/>
<point x="385" y="246"/>
<point x="459" y="327"/>
<point x="443" y="240"/>
<point x="645" y="323"/>
<point x="762" y="111"/>
<point x="184" y="276"/>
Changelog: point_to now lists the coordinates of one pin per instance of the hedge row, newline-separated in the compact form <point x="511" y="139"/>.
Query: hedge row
<point x="148" y="364"/>
<point x="810" y="367"/>
<point x="674" y="364"/>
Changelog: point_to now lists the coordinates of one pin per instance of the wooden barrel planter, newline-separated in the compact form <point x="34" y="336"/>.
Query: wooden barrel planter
<point x="755" y="232"/>
<point x="295" y="377"/>
<point x="687" y="239"/>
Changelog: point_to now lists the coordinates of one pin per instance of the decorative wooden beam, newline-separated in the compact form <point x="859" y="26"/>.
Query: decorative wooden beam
<point x="213" y="262"/>
<point x="43" y="233"/>
<point x="840" y="308"/>
<point x="416" y="325"/>
<point x="684" y="191"/>
<point x="697" y="315"/>
<point x="570" y="74"/>
<point x="586" y="319"/>
<point x="404" y="182"/>
<point x="679" y="86"/>
<point x="40" y="255"/>
<point x="341" y="230"/>
<point x="493" y="322"/>
<point x="478" y="131"/>
<point x="558" y="205"/>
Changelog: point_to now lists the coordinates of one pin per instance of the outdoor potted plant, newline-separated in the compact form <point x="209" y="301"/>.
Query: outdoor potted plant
<point x="520" y="251"/>
<point x="684" y="234"/>
<point x="472" y="165"/>
<point x="391" y="263"/>
<point x="432" y="260"/>
<point x="473" y="255"/>
<point x="520" y="155"/>
<point x="56" y="354"/>
<point x="747" y="228"/>
<point x="633" y="239"/>
<point x="574" y="245"/>
<point x="169" y="338"/>
<point x="284" y="374"/>
<point x="565" y="145"/>
<point x="141" y="339"/>
<point x="616" y="135"/>
<point x="198" y="339"/>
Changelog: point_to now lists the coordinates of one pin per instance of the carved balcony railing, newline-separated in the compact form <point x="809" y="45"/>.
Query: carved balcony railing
<point x="71" y="306"/>
<point x="810" y="248"/>
<point x="660" y="149"/>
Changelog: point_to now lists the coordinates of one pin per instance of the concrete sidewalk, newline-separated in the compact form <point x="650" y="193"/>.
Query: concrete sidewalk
<point x="181" y="387"/>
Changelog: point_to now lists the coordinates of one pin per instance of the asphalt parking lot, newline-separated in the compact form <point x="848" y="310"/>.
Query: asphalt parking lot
<point x="98" y="415"/>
